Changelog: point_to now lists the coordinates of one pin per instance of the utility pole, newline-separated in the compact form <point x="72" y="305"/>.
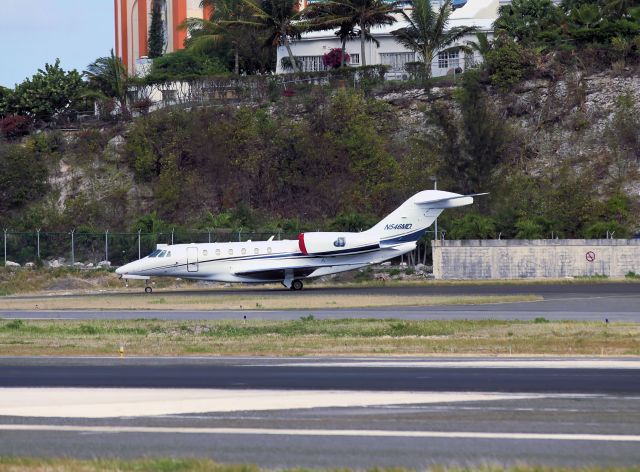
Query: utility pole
<point x="106" y="245"/>
<point x="139" y="254"/>
<point x="434" y="178"/>
<point x="5" y="247"/>
<point x="73" y="251"/>
<point x="38" y="236"/>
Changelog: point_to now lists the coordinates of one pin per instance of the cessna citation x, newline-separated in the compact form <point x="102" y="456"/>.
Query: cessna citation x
<point x="311" y="255"/>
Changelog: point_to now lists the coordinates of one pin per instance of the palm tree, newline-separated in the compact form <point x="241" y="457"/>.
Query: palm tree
<point x="321" y="16"/>
<point x="427" y="32"/>
<point x="108" y="78"/>
<point x="363" y="13"/>
<point x="215" y="29"/>
<point x="279" y="19"/>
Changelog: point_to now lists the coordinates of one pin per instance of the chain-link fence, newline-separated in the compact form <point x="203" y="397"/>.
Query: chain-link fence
<point x="84" y="248"/>
<point x="71" y="247"/>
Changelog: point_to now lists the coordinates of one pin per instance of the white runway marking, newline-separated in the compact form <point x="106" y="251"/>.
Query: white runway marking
<point x="325" y="432"/>
<point x="497" y="363"/>
<point x="118" y="402"/>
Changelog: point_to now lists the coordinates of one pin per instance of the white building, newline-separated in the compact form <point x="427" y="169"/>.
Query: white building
<point x="311" y="48"/>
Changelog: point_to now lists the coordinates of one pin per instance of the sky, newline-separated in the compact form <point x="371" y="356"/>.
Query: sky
<point x="35" y="32"/>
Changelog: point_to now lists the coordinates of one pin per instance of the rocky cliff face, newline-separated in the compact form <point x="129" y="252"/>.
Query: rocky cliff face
<point x="583" y="121"/>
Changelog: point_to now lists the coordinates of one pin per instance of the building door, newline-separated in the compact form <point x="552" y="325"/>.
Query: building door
<point x="192" y="259"/>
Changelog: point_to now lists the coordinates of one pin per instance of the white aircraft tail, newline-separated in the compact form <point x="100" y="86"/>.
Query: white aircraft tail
<point x="411" y="219"/>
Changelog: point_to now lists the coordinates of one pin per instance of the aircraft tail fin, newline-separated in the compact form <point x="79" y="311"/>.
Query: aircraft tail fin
<point x="410" y="220"/>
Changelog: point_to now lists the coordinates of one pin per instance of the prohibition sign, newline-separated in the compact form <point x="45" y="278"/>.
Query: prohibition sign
<point x="590" y="256"/>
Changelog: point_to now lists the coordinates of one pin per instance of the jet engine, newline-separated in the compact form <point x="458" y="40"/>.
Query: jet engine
<point x="327" y="244"/>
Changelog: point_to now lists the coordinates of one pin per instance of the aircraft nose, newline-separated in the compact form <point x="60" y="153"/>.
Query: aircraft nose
<point x="120" y="270"/>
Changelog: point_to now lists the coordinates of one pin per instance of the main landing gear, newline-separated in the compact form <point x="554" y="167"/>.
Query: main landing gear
<point x="148" y="289"/>
<point x="296" y="284"/>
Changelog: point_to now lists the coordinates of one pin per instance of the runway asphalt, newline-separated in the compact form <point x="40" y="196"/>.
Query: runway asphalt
<point x="622" y="377"/>
<point x="590" y="302"/>
<point x="357" y="413"/>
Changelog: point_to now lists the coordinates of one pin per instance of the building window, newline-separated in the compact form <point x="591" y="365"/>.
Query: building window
<point x="355" y="59"/>
<point x="396" y="60"/>
<point x="448" y="59"/>
<point x="311" y="63"/>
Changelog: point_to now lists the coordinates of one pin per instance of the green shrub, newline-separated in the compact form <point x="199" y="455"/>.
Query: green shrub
<point x="508" y="64"/>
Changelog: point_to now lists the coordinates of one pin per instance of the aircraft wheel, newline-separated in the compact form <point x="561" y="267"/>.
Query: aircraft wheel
<point x="297" y="285"/>
<point x="148" y="290"/>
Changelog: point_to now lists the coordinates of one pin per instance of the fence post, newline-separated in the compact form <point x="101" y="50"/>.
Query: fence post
<point x="73" y="250"/>
<point x="5" y="247"/>
<point x="38" y="237"/>
<point x="139" y="253"/>
<point x="106" y="245"/>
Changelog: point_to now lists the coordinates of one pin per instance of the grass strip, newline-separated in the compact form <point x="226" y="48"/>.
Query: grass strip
<point x="311" y="337"/>
<point x="18" y="464"/>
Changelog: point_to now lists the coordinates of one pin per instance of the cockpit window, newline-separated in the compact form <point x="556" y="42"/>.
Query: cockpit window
<point x="168" y="254"/>
<point x="162" y="254"/>
<point x="155" y="253"/>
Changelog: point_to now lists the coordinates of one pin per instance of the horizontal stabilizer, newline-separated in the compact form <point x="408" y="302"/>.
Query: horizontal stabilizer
<point x="442" y="200"/>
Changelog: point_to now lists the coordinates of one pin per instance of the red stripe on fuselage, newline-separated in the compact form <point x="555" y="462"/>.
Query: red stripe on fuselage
<point x="303" y="248"/>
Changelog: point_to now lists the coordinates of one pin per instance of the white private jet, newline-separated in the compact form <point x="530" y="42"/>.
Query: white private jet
<point x="311" y="255"/>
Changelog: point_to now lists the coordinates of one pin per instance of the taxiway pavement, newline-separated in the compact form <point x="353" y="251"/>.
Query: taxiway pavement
<point x="576" y="301"/>
<point x="340" y="412"/>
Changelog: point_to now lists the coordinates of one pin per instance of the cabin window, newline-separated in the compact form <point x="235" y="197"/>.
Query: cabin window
<point x="231" y="252"/>
<point x="256" y="251"/>
<point x="217" y="252"/>
<point x="244" y="251"/>
<point x="268" y="250"/>
<point x="205" y="252"/>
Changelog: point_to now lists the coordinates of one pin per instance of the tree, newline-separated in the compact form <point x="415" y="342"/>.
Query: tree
<point x="23" y="177"/>
<point x="335" y="58"/>
<point x="278" y="19"/>
<point x="184" y="64"/>
<point x="473" y="226"/>
<point x="156" y="30"/>
<point x="108" y="78"/>
<point x="219" y="27"/>
<point x="427" y="32"/>
<point x="529" y="22"/>
<point x="48" y="93"/>
<point x="363" y="13"/>
<point x="321" y="16"/>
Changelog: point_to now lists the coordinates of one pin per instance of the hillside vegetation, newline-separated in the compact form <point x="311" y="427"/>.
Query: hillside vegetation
<point x="557" y="156"/>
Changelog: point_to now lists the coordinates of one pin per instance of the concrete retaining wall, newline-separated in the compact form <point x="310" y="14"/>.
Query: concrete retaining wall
<point x="542" y="258"/>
